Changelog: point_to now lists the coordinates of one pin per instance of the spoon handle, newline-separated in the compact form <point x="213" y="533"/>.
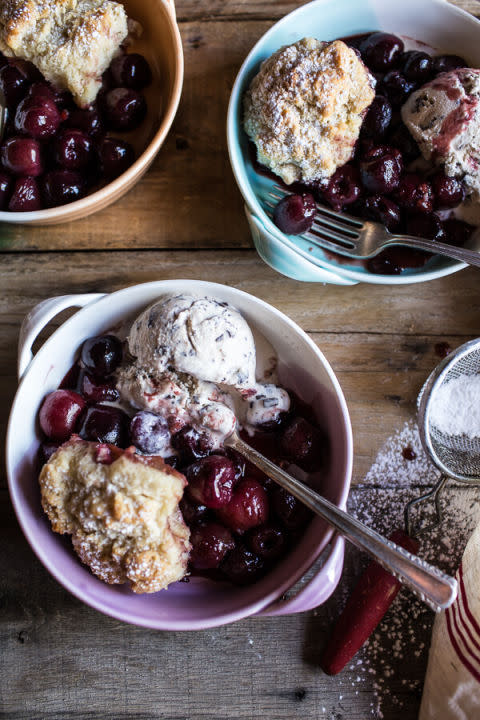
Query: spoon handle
<point x="431" y="585"/>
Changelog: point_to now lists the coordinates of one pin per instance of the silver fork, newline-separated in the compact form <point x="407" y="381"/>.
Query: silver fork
<point x="355" y="238"/>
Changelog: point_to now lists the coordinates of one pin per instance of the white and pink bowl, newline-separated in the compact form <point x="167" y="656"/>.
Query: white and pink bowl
<point x="199" y="603"/>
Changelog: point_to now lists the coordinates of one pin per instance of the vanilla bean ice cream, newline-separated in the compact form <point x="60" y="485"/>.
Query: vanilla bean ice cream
<point x="193" y="363"/>
<point x="200" y="336"/>
<point x="444" y="118"/>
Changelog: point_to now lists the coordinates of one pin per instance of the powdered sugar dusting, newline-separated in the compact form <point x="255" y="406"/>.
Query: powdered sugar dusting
<point x="456" y="409"/>
<point x="396" y="655"/>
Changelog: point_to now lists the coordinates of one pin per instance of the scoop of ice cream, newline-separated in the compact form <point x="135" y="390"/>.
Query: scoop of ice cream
<point x="202" y="337"/>
<point x="305" y="107"/>
<point x="444" y="118"/>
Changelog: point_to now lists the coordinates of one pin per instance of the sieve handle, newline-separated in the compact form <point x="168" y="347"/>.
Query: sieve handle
<point x="431" y="585"/>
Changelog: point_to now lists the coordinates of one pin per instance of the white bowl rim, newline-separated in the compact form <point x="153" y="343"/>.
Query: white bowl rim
<point x="252" y="201"/>
<point x="132" y="617"/>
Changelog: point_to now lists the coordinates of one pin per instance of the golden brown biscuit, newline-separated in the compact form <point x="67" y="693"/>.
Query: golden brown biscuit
<point x="304" y="109"/>
<point x="121" y="510"/>
<point x="72" y="42"/>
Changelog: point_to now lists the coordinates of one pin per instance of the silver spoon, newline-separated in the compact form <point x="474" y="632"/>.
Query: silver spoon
<point x="431" y="585"/>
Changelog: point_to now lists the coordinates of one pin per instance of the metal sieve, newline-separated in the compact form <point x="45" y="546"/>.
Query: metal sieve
<point x="456" y="456"/>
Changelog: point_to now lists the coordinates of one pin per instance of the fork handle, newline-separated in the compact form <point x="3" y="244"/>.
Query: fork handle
<point x="431" y="585"/>
<point x="470" y="257"/>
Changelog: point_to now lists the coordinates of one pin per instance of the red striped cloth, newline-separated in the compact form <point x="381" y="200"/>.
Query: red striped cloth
<point x="452" y="682"/>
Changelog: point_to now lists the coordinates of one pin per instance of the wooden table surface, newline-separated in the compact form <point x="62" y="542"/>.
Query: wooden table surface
<point x="60" y="659"/>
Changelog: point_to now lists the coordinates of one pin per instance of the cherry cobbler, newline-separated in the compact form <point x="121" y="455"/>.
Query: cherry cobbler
<point x="414" y="157"/>
<point x="67" y="82"/>
<point x="224" y="517"/>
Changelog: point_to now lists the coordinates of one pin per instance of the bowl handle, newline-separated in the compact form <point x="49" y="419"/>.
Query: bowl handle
<point x="39" y="317"/>
<point x="318" y="589"/>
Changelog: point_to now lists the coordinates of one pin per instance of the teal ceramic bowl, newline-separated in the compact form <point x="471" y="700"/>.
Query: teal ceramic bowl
<point x="440" y="25"/>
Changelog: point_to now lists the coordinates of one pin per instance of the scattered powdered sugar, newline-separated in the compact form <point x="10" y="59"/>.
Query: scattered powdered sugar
<point x="395" y="657"/>
<point x="456" y="407"/>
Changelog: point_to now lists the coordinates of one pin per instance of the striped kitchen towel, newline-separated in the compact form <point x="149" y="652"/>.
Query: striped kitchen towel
<point x="452" y="682"/>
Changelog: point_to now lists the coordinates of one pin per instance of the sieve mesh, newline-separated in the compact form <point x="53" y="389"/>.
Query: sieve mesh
<point x="455" y="455"/>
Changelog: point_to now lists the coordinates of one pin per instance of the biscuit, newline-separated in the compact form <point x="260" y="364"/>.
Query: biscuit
<point x="72" y="42"/>
<point x="305" y="107"/>
<point x="121" y="510"/>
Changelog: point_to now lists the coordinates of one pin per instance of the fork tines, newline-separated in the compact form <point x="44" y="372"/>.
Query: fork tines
<point x="330" y="230"/>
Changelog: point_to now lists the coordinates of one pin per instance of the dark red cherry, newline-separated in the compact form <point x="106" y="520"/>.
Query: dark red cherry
<point x="37" y="117"/>
<point x="210" y="544"/>
<point x="378" y="117"/>
<point x="41" y="91"/>
<point x="125" y="109"/>
<point x="400" y="138"/>
<point x="88" y="120"/>
<point x="396" y="87"/>
<point x="381" y="169"/>
<point x="303" y="444"/>
<point x="150" y="433"/>
<point x="414" y="193"/>
<point x="192" y="512"/>
<point x="445" y="63"/>
<point x="241" y="566"/>
<point x="131" y="71"/>
<point x="5" y="189"/>
<point x="418" y="66"/>
<point x="385" y="263"/>
<point x="382" y="210"/>
<point x="293" y="514"/>
<point x="31" y="72"/>
<point x="343" y="188"/>
<point x="247" y="508"/>
<point x="294" y="214"/>
<point x="191" y="445"/>
<point x="14" y="83"/>
<point x="211" y="480"/>
<point x="268" y="541"/>
<point x="448" y="191"/>
<point x="73" y="149"/>
<point x="22" y="156"/>
<point x="457" y="231"/>
<point x="115" y="156"/>
<point x="426" y="225"/>
<point x="95" y="390"/>
<point x="106" y="424"/>
<point x="25" y="196"/>
<point x="59" y="414"/>
<point x="46" y="450"/>
<point x="102" y="354"/>
<point x="62" y="186"/>
<point x="381" y="51"/>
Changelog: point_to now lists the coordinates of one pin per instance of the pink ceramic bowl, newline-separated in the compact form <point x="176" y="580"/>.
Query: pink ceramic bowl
<point x="199" y="603"/>
<point x="161" y="45"/>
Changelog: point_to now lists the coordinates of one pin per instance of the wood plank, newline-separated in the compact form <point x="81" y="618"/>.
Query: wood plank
<point x="448" y="305"/>
<point x="268" y="9"/>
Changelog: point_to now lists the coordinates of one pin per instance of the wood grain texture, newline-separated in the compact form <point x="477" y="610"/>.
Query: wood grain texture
<point x="269" y="9"/>
<point x="60" y="660"/>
